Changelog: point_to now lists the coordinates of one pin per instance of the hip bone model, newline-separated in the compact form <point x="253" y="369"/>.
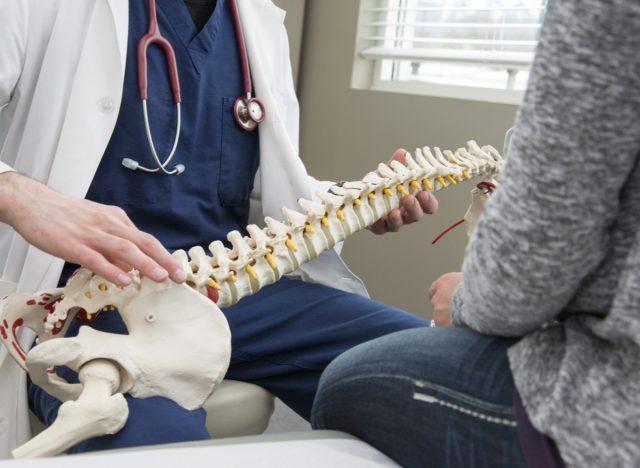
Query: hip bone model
<point x="179" y="342"/>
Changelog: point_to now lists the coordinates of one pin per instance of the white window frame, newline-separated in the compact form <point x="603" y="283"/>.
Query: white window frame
<point x="367" y="62"/>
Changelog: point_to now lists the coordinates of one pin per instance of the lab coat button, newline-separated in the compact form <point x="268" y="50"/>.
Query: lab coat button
<point x="106" y="105"/>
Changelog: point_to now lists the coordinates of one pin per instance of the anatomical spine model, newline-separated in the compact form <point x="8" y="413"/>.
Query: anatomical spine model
<point x="179" y="342"/>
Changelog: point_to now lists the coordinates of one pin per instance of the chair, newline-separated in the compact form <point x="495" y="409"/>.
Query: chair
<point x="235" y="409"/>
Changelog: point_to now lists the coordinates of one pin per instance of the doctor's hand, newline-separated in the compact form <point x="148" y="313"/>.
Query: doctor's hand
<point x="99" y="237"/>
<point x="412" y="208"/>
<point x="441" y="294"/>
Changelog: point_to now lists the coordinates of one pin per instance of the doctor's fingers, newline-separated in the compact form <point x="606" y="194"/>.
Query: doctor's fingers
<point x="159" y="264"/>
<point x="96" y="262"/>
<point x="114" y="221"/>
<point x="379" y="227"/>
<point x="390" y="223"/>
<point x="142" y="251"/>
<point x="428" y="202"/>
<point x="398" y="155"/>
<point x="411" y="210"/>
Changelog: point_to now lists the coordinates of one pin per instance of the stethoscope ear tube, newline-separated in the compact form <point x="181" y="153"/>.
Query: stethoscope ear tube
<point x="248" y="111"/>
<point x="154" y="36"/>
<point x="162" y="166"/>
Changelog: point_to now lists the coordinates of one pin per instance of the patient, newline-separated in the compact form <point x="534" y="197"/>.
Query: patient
<point x="542" y="364"/>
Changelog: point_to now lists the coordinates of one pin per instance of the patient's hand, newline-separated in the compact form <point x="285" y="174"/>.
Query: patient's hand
<point x="412" y="208"/>
<point x="441" y="295"/>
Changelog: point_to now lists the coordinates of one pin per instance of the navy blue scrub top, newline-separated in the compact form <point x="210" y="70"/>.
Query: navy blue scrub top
<point x="211" y="197"/>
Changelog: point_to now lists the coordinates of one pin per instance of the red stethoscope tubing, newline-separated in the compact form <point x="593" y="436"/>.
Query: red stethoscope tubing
<point x="153" y="36"/>
<point x="248" y="111"/>
<point x="242" y="47"/>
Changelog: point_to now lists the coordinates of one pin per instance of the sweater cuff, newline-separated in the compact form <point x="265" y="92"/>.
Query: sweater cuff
<point x="457" y="307"/>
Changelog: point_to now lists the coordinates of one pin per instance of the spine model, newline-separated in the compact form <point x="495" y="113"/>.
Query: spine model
<point x="267" y="254"/>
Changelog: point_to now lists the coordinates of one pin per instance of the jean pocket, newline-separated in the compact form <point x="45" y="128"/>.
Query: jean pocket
<point x="239" y="159"/>
<point x="463" y="404"/>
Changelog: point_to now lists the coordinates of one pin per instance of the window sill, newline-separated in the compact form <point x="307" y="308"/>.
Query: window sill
<point x="499" y="96"/>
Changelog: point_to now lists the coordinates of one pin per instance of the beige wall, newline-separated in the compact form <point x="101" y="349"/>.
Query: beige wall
<point x="345" y="133"/>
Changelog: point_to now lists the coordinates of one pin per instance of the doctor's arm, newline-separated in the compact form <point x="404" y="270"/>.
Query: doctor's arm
<point x="99" y="237"/>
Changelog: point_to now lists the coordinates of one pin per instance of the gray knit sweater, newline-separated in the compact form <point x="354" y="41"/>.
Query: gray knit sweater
<point x="556" y="257"/>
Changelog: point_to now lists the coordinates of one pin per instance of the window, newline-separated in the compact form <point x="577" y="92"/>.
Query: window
<point x="472" y="49"/>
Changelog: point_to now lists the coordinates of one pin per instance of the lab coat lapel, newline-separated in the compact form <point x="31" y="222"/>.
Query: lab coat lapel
<point x="267" y="47"/>
<point x="120" y="14"/>
<point x="94" y="100"/>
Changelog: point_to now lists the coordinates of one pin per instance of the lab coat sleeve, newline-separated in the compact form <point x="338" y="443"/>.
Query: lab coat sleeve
<point x="13" y="40"/>
<point x="319" y="185"/>
<point x="5" y="168"/>
<point x="288" y="97"/>
<point x="291" y="107"/>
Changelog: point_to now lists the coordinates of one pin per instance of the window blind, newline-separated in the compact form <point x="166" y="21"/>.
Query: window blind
<point x="483" y="43"/>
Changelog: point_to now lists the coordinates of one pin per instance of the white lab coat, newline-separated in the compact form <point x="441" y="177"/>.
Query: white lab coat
<point x="61" y="75"/>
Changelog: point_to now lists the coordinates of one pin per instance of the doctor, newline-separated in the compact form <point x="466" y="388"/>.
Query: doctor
<point x="70" y="112"/>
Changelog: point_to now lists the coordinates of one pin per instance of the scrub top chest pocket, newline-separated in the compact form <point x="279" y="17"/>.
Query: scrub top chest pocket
<point x="239" y="159"/>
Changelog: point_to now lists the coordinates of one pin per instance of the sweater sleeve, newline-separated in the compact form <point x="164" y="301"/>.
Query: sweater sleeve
<point x="576" y="140"/>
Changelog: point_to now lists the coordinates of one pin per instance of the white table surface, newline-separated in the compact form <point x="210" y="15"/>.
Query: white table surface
<point x="309" y="449"/>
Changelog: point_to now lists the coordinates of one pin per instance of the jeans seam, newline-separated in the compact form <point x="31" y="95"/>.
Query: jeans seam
<point x="431" y="399"/>
<point x="465" y="398"/>
<point x="505" y="411"/>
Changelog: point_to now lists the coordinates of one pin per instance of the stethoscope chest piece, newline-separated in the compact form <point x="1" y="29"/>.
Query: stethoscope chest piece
<point x="248" y="112"/>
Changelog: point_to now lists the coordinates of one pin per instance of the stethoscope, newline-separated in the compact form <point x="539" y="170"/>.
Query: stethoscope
<point x="247" y="110"/>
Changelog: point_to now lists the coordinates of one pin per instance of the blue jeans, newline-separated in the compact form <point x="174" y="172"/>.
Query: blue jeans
<point x="283" y="337"/>
<point x="437" y="397"/>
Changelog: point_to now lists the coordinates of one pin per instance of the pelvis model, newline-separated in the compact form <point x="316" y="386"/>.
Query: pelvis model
<point x="179" y="342"/>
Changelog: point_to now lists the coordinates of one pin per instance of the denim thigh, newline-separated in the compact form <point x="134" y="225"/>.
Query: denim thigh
<point x="440" y="397"/>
